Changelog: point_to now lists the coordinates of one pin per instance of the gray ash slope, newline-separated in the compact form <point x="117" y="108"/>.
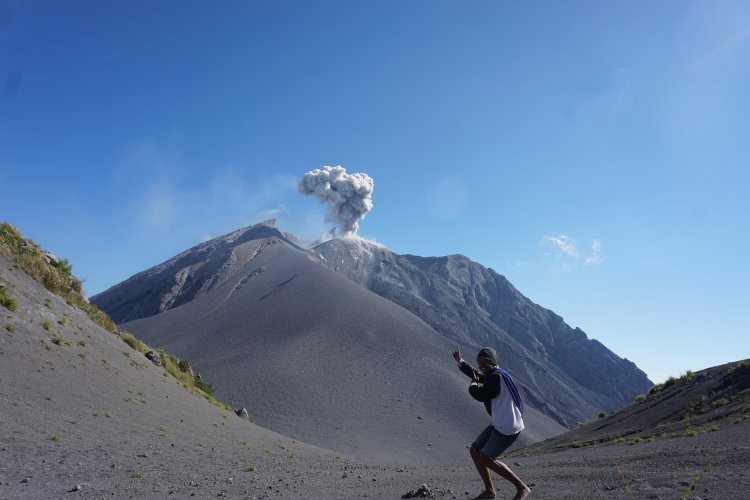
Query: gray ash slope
<point x="177" y="444"/>
<point x="239" y="305"/>
<point x="567" y="375"/>
<point x="319" y="358"/>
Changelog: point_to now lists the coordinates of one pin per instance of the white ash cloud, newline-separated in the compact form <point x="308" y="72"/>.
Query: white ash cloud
<point x="348" y="196"/>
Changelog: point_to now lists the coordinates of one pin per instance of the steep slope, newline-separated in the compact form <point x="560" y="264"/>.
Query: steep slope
<point x="474" y="306"/>
<point x="81" y="408"/>
<point x="316" y="357"/>
<point x="696" y="403"/>
<point x="190" y="274"/>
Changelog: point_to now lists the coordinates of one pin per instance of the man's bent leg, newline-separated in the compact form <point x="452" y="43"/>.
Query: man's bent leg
<point x="505" y="472"/>
<point x="484" y="472"/>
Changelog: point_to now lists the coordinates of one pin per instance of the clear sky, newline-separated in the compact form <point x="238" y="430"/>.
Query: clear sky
<point x="595" y="153"/>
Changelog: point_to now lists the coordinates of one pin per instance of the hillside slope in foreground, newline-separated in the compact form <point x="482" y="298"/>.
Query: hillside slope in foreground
<point x="82" y="411"/>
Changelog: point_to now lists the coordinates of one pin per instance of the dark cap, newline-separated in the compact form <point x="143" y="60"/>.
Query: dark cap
<point x="489" y="354"/>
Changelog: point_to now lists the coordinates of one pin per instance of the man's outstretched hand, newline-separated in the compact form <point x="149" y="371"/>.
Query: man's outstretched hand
<point x="457" y="355"/>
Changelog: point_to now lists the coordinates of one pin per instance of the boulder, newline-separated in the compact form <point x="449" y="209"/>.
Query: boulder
<point x="242" y="413"/>
<point x="51" y="258"/>
<point x="153" y="356"/>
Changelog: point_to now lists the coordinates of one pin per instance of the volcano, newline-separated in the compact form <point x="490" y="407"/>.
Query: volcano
<point x="347" y="345"/>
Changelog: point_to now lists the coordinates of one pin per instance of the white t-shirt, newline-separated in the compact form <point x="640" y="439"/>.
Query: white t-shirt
<point x="506" y="416"/>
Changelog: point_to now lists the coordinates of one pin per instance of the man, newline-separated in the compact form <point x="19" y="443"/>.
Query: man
<point x="504" y="405"/>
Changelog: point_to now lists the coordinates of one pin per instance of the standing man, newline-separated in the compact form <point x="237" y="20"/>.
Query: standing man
<point x="504" y="405"/>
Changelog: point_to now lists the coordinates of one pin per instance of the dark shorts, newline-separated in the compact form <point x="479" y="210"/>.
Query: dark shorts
<point x="492" y="443"/>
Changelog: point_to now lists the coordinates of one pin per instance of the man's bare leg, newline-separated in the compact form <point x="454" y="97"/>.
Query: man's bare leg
<point x="484" y="472"/>
<point x="505" y="472"/>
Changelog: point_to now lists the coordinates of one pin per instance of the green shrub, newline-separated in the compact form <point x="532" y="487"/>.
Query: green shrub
<point x="575" y="444"/>
<point x="640" y="397"/>
<point x="602" y="414"/>
<point x="721" y="402"/>
<point x="134" y="343"/>
<point x="57" y="339"/>
<point x="47" y="325"/>
<point x="7" y="301"/>
<point x="204" y="386"/>
<point x="65" y="267"/>
<point x="183" y="365"/>
<point x="11" y="328"/>
<point x="741" y="368"/>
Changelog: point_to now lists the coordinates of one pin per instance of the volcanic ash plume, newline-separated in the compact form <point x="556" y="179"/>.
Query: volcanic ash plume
<point x="349" y="196"/>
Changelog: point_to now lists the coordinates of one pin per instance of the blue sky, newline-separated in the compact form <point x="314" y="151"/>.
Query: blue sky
<point x="595" y="154"/>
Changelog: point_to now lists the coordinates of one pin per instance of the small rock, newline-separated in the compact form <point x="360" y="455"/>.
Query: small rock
<point x="516" y="464"/>
<point x="153" y="357"/>
<point x="26" y="480"/>
<point x="242" y="413"/>
<point x="419" y="418"/>
<point x="51" y="258"/>
<point x="77" y="487"/>
<point x="422" y="492"/>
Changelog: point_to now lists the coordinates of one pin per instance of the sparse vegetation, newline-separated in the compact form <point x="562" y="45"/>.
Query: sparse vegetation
<point x="82" y="342"/>
<point x="741" y="368"/>
<point x="54" y="437"/>
<point x="672" y="381"/>
<point x="721" y="402"/>
<point x="57" y="339"/>
<point x="635" y="440"/>
<point x="134" y="343"/>
<point x="575" y="444"/>
<point x="7" y="301"/>
<point x="11" y="328"/>
<point x="640" y="397"/>
<point x="250" y="468"/>
<point x="138" y="474"/>
<point x="205" y="386"/>
<point x="27" y="255"/>
<point x="602" y="414"/>
<point x="690" y="432"/>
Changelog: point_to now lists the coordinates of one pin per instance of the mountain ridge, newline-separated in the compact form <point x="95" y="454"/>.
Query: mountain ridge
<point x="465" y="303"/>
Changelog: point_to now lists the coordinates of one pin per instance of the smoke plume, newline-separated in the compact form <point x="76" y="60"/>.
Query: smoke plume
<point x="349" y="196"/>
